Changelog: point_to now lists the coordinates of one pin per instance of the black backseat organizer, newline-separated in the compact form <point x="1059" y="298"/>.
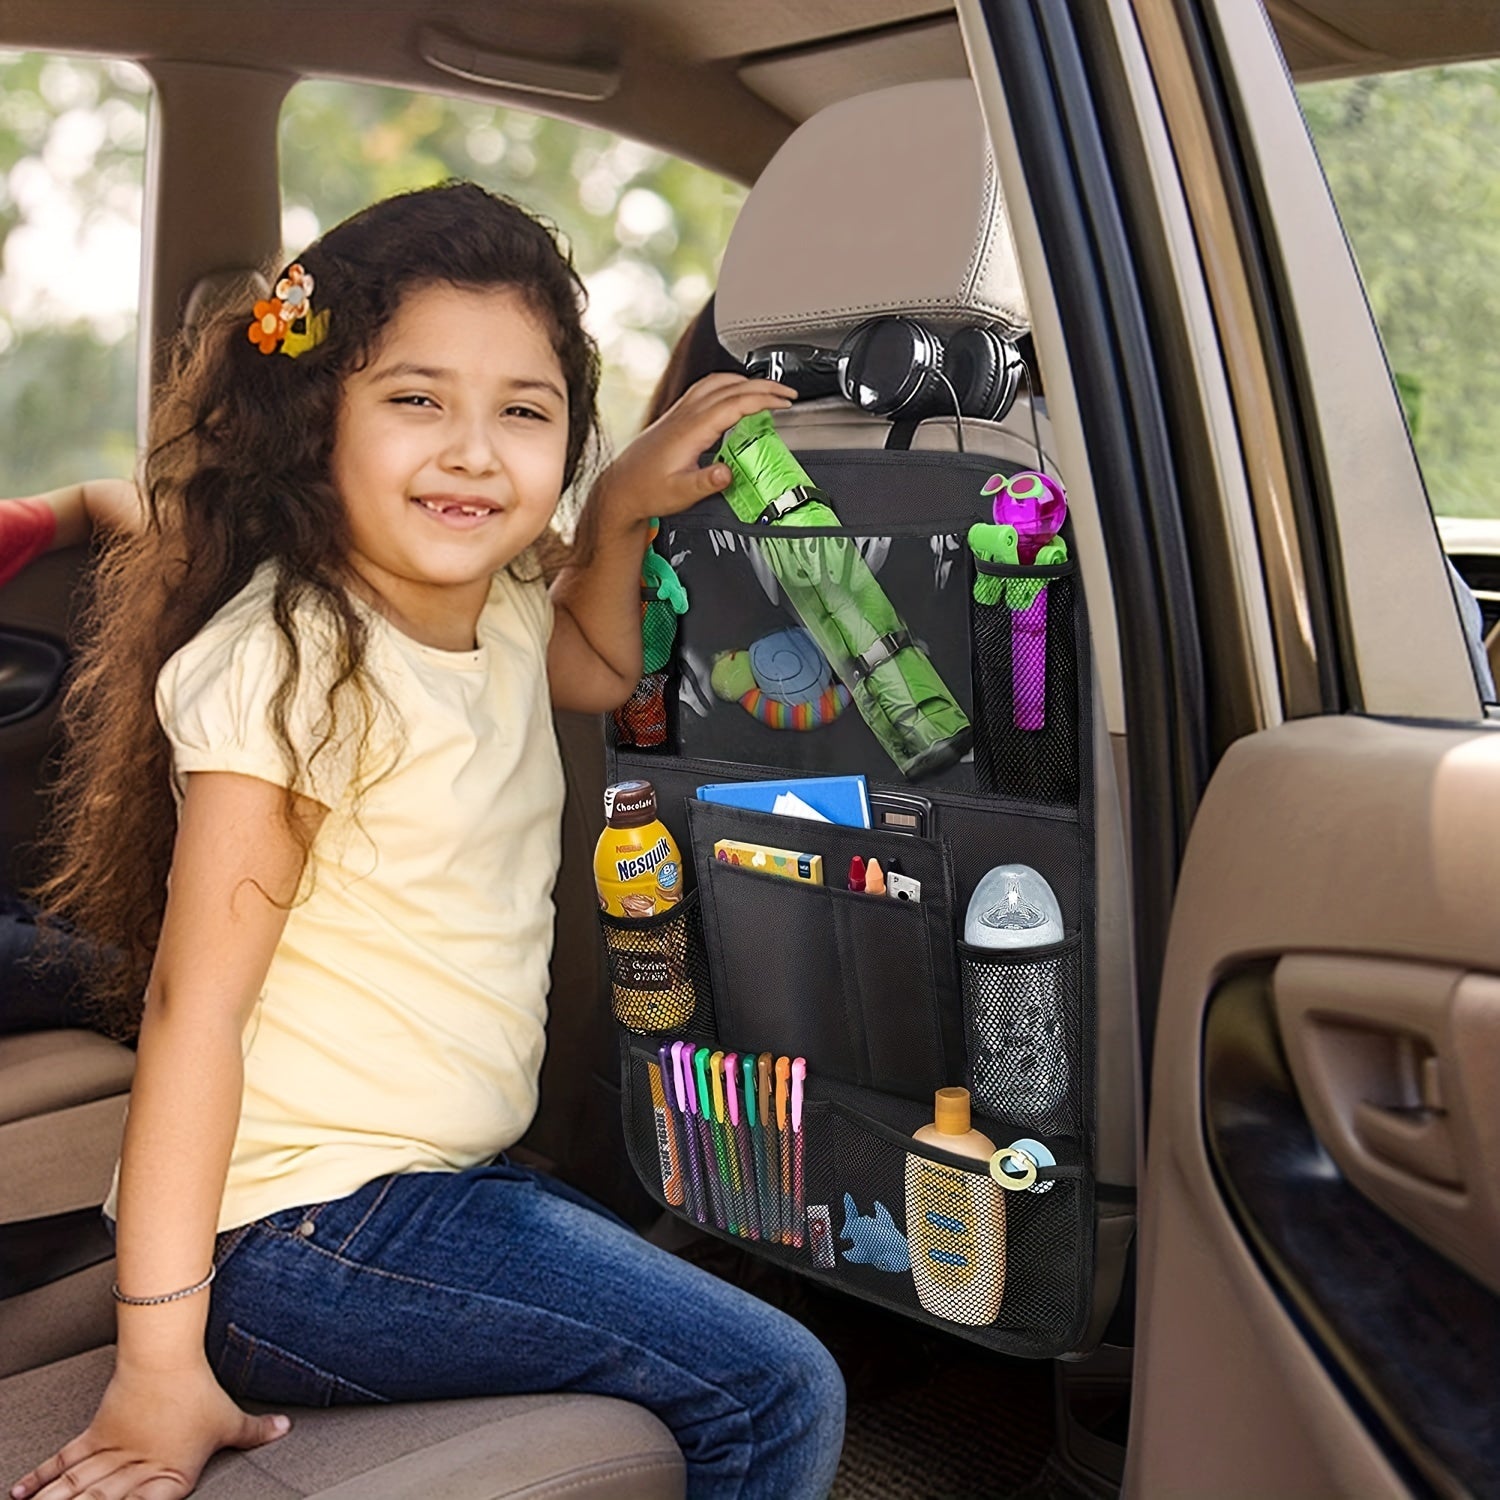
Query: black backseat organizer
<point x="881" y="997"/>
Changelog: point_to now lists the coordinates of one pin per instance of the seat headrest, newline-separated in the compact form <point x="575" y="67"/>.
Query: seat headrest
<point x="883" y="204"/>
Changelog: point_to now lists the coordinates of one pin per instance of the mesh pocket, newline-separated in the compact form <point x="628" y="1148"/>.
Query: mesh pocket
<point x="658" y="972"/>
<point x="1023" y="1028"/>
<point x="854" y="1201"/>
<point x="1025" y="683"/>
<point x="1006" y="1269"/>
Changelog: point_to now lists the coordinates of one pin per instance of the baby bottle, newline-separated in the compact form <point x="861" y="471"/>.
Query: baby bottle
<point x="955" y="1220"/>
<point x="1021" y="1062"/>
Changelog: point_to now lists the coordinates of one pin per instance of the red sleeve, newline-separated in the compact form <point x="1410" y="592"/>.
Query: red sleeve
<point x="26" y="531"/>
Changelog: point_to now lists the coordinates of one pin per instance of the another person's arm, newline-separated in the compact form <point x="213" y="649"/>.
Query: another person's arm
<point x="594" y="660"/>
<point x="235" y="870"/>
<point x="66" y="517"/>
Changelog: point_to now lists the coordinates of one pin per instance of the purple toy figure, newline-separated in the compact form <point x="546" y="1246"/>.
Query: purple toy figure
<point x="1036" y="506"/>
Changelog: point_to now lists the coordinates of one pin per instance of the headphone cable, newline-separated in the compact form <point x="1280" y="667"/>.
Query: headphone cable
<point x="958" y="411"/>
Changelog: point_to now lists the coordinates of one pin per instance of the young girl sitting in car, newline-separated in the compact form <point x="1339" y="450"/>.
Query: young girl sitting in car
<point x="332" y="650"/>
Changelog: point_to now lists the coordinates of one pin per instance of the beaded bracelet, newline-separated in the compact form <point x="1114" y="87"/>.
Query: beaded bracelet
<point x="187" y="1291"/>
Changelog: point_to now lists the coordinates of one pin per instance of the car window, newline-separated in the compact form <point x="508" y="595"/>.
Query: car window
<point x="647" y="229"/>
<point x="1413" y="162"/>
<point x="72" y="173"/>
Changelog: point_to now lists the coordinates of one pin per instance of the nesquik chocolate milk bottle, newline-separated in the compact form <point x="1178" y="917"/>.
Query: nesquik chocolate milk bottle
<point x="638" y="874"/>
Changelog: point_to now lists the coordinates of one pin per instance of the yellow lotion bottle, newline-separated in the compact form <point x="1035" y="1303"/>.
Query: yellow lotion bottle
<point x="955" y="1220"/>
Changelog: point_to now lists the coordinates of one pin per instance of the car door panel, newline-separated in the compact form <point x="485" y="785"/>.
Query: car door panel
<point x="1408" y="1335"/>
<point x="1395" y="1062"/>
<point x="1347" y="867"/>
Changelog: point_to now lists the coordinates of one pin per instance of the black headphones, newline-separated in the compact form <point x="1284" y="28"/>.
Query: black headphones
<point x="902" y="369"/>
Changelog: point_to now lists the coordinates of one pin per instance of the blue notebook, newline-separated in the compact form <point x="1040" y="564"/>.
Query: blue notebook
<point x="841" y="799"/>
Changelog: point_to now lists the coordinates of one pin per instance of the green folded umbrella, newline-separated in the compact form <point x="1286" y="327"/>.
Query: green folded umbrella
<point x="893" y="684"/>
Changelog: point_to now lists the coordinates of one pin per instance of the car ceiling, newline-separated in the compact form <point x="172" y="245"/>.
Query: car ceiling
<point x="718" y="81"/>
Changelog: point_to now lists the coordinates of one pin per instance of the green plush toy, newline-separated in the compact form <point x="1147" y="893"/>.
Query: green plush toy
<point x="642" y="719"/>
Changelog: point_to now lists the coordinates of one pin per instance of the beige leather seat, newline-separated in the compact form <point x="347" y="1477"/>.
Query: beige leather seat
<point x="62" y="1105"/>
<point x="584" y="1447"/>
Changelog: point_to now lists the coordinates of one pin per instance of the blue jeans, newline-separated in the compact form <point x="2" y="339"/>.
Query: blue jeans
<point x="502" y="1280"/>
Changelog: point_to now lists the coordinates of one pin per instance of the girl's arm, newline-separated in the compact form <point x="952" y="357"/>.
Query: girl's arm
<point x="65" y="517"/>
<point x="235" y="869"/>
<point x="594" y="660"/>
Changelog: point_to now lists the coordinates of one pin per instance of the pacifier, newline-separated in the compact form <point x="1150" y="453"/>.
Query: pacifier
<point x="1015" y="1166"/>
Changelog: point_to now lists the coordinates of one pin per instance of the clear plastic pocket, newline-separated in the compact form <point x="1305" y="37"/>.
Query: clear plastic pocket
<point x="833" y="651"/>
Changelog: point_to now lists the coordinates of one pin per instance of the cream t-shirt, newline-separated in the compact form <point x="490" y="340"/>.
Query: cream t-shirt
<point x="400" y="1028"/>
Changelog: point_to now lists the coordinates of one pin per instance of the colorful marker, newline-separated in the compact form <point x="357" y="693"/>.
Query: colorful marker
<point x="692" y="1070"/>
<point x="697" y="1203"/>
<point x="724" y="1142"/>
<point x="701" y="1061"/>
<point x="739" y="1134"/>
<point x="757" y="1146"/>
<point x="763" y="1079"/>
<point x="784" y="1142"/>
<point x="799" y="1078"/>
<point x="666" y="1132"/>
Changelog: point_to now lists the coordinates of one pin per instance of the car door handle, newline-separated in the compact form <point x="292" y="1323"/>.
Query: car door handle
<point x="31" y="672"/>
<point x="1395" y="1063"/>
<point x="1415" y="1140"/>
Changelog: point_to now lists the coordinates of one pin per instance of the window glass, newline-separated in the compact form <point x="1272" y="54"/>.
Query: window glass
<point x="72" y="169"/>
<point x="1413" y="161"/>
<point x="647" y="229"/>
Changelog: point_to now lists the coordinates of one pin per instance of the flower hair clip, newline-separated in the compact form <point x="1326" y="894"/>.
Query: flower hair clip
<point x="286" y="322"/>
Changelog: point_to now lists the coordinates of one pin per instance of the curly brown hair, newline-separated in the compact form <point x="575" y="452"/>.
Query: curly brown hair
<point x="237" y="476"/>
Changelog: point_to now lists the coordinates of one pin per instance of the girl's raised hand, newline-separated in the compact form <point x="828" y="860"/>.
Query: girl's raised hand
<point x="149" y="1440"/>
<point x="658" y="474"/>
